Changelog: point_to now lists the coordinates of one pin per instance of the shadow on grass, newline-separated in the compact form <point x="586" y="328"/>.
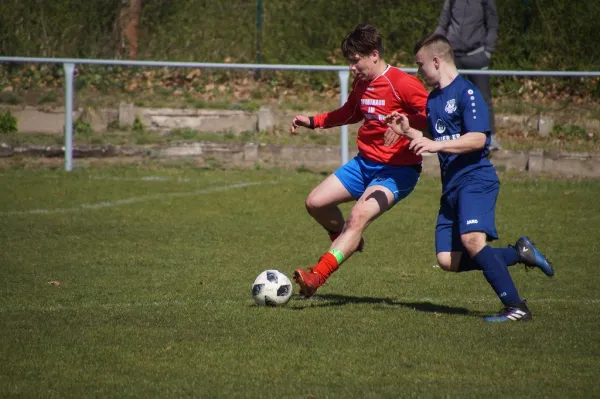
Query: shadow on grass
<point x="422" y="306"/>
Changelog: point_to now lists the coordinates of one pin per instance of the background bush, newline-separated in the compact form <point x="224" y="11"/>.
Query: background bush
<point x="544" y="34"/>
<point x="534" y="34"/>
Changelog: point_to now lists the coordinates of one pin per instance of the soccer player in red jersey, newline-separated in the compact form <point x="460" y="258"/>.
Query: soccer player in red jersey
<point x="379" y="176"/>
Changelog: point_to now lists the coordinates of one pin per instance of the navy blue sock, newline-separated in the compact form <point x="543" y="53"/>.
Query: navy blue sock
<point x="508" y="255"/>
<point x="467" y="264"/>
<point x="496" y="273"/>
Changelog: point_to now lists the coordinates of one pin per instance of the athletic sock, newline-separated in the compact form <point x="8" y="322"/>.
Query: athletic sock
<point x="509" y="256"/>
<point x="328" y="263"/>
<point x="467" y="264"/>
<point x="496" y="273"/>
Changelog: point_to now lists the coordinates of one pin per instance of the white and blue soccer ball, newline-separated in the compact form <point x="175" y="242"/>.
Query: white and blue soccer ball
<point x="272" y="288"/>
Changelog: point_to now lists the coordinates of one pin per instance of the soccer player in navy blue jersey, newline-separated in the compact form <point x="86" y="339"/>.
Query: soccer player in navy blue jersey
<point x="457" y="121"/>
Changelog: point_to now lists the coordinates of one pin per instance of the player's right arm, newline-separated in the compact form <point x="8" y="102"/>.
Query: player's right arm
<point x="347" y="114"/>
<point x="399" y="125"/>
<point x="300" y="120"/>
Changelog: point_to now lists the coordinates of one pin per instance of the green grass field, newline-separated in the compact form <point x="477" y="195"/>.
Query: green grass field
<point x="152" y="268"/>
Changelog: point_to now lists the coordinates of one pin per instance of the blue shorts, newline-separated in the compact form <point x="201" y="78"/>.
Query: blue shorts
<point x="360" y="173"/>
<point x="467" y="208"/>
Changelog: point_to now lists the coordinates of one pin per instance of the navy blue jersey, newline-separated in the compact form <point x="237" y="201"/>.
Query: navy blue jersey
<point x="453" y="111"/>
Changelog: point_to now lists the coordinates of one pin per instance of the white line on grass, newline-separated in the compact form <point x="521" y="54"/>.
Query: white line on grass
<point x="126" y="179"/>
<point x="144" y="179"/>
<point x="132" y="200"/>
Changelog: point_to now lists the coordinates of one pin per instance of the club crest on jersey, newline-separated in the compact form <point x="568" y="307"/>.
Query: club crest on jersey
<point x="450" y="106"/>
<point x="439" y="126"/>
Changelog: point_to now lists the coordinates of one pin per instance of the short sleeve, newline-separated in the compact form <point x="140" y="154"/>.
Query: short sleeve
<point x="475" y="113"/>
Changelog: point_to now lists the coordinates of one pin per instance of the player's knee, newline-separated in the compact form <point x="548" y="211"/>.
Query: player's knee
<point x="309" y="205"/>
<point x="473" y="242"/>
<point x="312" y="203"/>
<point x="444" y="261"/>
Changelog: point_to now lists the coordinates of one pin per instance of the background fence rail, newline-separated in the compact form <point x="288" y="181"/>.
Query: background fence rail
<point x="69" y="65"/>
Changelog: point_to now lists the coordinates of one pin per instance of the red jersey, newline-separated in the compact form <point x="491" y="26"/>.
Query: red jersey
<point x="393" y="90"/>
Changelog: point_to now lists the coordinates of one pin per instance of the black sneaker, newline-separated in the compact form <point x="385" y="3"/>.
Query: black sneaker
<point x="531" y="257"/>
<point x="511" y="313"/>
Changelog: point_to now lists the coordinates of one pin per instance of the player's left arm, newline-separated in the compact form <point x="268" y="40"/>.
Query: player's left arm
<point x="475" y="122"/>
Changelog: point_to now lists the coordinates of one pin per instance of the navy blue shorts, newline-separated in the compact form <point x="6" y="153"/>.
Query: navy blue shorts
<point x="360" y="173"/>
<point x="467" y="208"/>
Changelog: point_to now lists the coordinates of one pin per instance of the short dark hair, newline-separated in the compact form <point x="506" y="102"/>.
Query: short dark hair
<point x="362" y="41"/>
<point x="441" y="46"/>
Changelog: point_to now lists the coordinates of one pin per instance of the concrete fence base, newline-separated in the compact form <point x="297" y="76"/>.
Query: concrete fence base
<point x="315" y="157"/>
<point x="51" y="120"/>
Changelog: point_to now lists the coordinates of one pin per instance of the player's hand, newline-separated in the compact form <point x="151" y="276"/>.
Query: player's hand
<point x="397" y="126"/>
<point x="390" y="137"/>
<point x="299" y="120"/>
<point x="398" y="123"/>
<point x="423" y="144"/>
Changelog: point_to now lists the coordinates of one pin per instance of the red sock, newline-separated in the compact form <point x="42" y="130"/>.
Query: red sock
<point x="326" y="265"/>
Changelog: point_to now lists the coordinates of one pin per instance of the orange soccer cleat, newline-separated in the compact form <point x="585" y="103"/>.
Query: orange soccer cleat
<point x="309" y="281"/>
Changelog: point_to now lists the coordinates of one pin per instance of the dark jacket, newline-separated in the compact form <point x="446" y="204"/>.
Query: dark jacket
<point x="470" y="26"/>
